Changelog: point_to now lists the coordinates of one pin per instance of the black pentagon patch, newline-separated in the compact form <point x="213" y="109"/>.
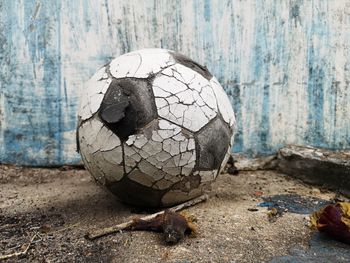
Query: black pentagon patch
<point x="127" y="106"/>
<point x="133" y="193"/>
<point x="212" y="143"/>
<point x="187" y="62"/>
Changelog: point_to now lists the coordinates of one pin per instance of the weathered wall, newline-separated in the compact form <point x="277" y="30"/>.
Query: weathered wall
<point x="284" y="64"/>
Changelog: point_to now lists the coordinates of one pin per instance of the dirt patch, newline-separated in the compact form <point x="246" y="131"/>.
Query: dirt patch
<point x="63" y="204"/>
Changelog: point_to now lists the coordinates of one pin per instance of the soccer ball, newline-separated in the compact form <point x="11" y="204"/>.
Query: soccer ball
<point x="154" y="127"/>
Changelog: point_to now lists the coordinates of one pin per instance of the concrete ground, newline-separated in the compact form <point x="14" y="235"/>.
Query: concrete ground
<point x="63" y="204"/>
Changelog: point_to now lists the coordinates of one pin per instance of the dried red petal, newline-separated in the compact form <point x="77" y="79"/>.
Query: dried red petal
<point x="329" y="220"/>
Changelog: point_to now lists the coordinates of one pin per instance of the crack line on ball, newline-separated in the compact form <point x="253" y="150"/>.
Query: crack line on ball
<point x="139" y="64"/>
<point x="123" y="159"/>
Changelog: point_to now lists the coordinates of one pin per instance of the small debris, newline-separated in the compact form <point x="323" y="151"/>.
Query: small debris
<point x="253" y="209"/>
<point x="166" y="255"/>
<point x="258" y="193"/>
<point x="273" y="214"/>
<point x="231" y="168"/>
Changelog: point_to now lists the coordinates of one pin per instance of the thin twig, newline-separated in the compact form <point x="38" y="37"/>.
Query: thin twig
<point x="18" y="254"/>
<point x="113" y="229"/>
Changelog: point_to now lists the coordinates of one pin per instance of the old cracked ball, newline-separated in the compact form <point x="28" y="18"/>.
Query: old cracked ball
<point x="154" y="127"/>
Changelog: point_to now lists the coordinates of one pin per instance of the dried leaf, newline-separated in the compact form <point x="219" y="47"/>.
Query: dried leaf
<point x="333" y="220"/>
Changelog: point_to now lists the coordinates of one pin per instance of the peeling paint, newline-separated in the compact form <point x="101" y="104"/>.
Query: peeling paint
<point x="284" y="64"/>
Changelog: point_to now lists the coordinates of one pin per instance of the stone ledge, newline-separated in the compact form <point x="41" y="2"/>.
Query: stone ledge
<point x="244" y="163"/>
<point x="327" y="168"/>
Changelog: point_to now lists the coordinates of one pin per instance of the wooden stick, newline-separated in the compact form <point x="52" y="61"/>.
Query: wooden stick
<point x="113" y="229"/>
<point x="17" y="254"/>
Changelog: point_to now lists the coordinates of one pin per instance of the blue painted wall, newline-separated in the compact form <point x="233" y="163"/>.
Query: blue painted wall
<point x="284" y="64"/>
